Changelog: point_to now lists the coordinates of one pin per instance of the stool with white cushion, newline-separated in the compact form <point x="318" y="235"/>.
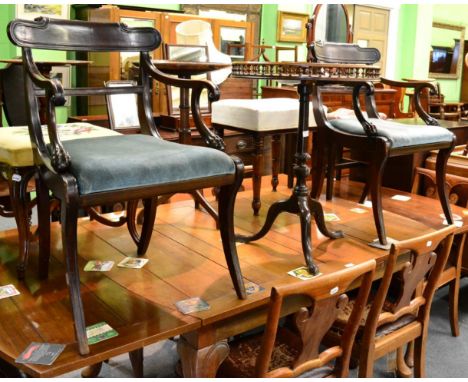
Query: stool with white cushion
<point x="17" y="165"/>
<point x="259" y="118"/>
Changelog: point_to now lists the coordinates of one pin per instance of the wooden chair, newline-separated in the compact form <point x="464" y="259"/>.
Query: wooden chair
<point x="399" y="312"/>
<point x="123" y="167"/>
<point x="283" y="352"/>
<point x="374" y="138"/>
<point x="457" y="188"/>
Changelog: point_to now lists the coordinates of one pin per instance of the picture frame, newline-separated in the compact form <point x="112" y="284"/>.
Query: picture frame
<point x="122" y="108"/>
<point x="292" y="27"/>
<point x="31" y="11"/>
<point x="63" y="74"/>
<point x="186" y="53"/>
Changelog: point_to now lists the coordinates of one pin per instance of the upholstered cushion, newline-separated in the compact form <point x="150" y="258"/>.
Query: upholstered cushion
<point x="400" y="135"/>
<point x="259" y="114"/>
<point x="129" y="161"/>
<point x="15" y="144"/>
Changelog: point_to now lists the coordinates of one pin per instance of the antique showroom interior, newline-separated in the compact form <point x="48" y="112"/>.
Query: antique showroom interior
<point x="234" y="190"/>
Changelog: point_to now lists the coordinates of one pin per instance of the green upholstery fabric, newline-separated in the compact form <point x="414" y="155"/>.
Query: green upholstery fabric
<point x="123" y="161"/>
<point x="400" y="135"/>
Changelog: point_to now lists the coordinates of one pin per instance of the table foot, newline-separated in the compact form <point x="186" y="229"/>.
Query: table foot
<point x="306" y="218"/>
<point x="288" y="205"/>
<point x="201" y="363"/>
<point x="317" y="210"/>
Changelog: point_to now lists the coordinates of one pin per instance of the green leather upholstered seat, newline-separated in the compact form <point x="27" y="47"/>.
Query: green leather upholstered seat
<point x="123" y="162"/>
<point x="400" y="135"/>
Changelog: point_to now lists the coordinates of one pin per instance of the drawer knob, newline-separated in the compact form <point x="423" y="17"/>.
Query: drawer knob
<point x="241" y="144"/>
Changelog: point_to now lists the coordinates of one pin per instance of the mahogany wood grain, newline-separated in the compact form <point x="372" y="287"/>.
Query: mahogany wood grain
<point x="186" y="260"/>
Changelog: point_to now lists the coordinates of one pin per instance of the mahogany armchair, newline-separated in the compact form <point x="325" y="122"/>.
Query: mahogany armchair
<point x="122" y="167"/>
<point x="374" y="138"/>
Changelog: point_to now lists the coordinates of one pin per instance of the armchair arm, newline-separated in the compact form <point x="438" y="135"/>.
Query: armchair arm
<point x="369" y="128"/>
<point x="197" y="86"/>
<point x="418" y="87"/>
<point x="59" y="157"/>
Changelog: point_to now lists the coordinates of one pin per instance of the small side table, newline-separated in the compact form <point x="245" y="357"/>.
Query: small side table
<point x="185" y="70"/>
<point x="300" y="202"/>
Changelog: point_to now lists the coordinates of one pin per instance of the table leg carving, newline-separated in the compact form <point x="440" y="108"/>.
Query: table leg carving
<point x="91" y="371"/>
<point x="201" y="363"/>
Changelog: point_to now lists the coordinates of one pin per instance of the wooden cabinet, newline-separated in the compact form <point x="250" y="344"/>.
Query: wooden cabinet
<point x="112" y="66"/>
<point x="339" y="97"/>
<point x="115" y="66"/>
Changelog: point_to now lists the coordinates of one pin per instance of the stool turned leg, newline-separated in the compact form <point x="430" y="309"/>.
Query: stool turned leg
<point x="275" y="159"/>
<point x="257" y="174"/>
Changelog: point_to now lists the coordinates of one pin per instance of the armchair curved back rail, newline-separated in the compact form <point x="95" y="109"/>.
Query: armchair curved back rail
<point x="380" y="139"/>
<point x="104" y="170"/>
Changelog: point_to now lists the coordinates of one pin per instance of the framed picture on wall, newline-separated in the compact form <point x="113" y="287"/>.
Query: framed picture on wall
<point x="291" y="27"/>
<point x="31" y="11"/>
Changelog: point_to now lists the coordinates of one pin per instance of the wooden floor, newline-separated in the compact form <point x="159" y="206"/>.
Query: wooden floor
<point x="186" y="260"/>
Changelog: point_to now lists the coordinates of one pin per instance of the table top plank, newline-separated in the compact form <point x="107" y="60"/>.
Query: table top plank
<point x="186" y="259"/>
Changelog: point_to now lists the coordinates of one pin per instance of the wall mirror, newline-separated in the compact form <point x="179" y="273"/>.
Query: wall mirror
<point x="446" y="55"/>
<point x="330" y="22"/>
<point x="127" y="59"/>
<point x="186" y="53"/>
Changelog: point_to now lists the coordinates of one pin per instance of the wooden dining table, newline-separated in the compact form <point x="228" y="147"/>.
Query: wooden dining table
<point x="204" y="349"/>
<point x="186" y="260"/>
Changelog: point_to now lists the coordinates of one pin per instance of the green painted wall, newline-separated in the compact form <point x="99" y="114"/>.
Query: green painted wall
<point x="453" y="14"/>
<point x="269" y="20"/>
<point x="415" y="37"/>
<point x="7" y="13"/>
<point x="169" y="7"/>
<point x="406" y="40"/>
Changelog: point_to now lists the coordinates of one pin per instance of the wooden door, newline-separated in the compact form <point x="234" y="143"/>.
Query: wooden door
<point x="370" y="29"/>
